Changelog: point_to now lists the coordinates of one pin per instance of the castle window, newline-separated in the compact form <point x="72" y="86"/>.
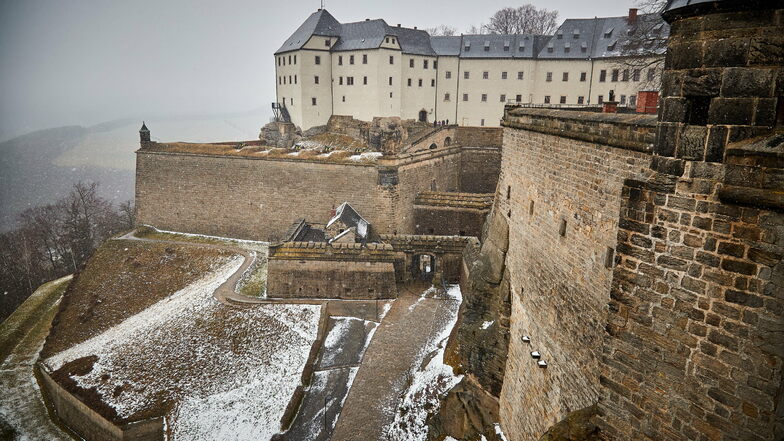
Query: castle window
<point x="420" y="82"/>
<point x="465" y="97"/>
<point x="295" y="59"/>
<point x="562" y="228"/>
<point x="632" y="100"/>
<point x="318" y="59"/>
<point x="636" y="75"/>
<point x="467" y="46"/>
<point x="289" y="59"/>
<point x="602" y="76"/>
<point x="411" y="63"/>
<point x="350" y="81"/>
<point x="344" y="98"/>
<point x="391" y="59"/>
<point x="563" y="99"/>
<point x="550" y="48"/>
<point x="549" y="77"/>
<point x="625" y="75"/>
<point x="487" y="46"/>
<point x="615" y="73"/>
<point x="466" y="75"/>
<point x="280" y="81"/>
<point x="559" y="34"/>
<point x="565" y="76"/>
<point x="484" y="97"/>
<point x="435" y="64"/>
<point x="350" y="59"/>
<point x="521" y="47"/>
<point x="506" y="46"/>
<point x="327" y="43"/>
<point x="576" y="34"/>
<point x="340" y="81"/>
<point x="583" y="76"/>
<point x="432" y="83"/>
<point x="364" y="58"/>
<point x="567" y="48"/>
<point x="295" y="79"/>
<point x="448" y="74"/>
<point x="313" y="101"/>
<point x="278" y="61"/>
<point x="485" y="75"/>
<point x="364" y="80"/>
<point x="583" y="47"/>
<point x="387" y="39"/>
<point x="424" y="64"/>
<point x="290" y="82"/>
<point x="651" y="74"/>
<point x="446" y="97"/>
<point x="315" y="79"/>
<point x="291" y="101"/>
<point x="390" y="94"/>
<point x="393" y="41"/>
<point x="508" y="192"/>
<point x="390" y="83"/>
<point x="623" y="99"/>
<point x="503" y="98"/>
<point x="547" y="99"/>
<point x="580" y="99"/>
<point x="601" y="99"/>
<point x="519" y="75"/>
<point x="503" y="75"/>
<point x="531" y="208"/>
<point x="608" y="33"/>
<point x="409" y="82"/>
<point x="518" y="98"/>
<point x="340" y="60"/>
<point x="482" y="122"/>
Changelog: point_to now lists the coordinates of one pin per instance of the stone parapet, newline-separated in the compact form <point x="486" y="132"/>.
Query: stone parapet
<point x="629" y="131"/>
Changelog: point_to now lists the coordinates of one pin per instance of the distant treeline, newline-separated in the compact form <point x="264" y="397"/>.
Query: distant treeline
<point x="55" y="240"/>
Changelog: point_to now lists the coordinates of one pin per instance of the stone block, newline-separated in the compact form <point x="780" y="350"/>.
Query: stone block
<point x="684" y="55"/>
<point x="672" y="83"/>
<point x="714" y="147"/>
<point x="673" y="109"/>
<point x="765" y="112"/>
<point x="726" y="52"/>
<point x="766" y="50"/>
<point x="702" y="82"/>
<point x="734" y="111"/>
<point x="666" y="139"/>
<point x="691" y="143"/>
<point x="747" y="82"/>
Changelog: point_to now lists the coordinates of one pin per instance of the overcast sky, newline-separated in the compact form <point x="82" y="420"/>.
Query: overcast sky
<point x="83" y="62"/>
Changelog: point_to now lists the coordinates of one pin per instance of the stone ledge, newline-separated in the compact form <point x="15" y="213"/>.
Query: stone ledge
<point x="627" y="131"/>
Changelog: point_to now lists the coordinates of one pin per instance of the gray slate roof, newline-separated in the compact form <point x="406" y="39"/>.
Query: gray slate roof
<point x="575" y="38"/>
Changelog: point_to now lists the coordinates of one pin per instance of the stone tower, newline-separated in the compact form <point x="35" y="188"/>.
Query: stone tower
<point x="144" y="135"/>
<point x="694" y="347"/>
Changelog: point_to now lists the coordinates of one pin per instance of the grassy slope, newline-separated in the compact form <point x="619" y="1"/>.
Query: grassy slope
<point x="121" y="279"/>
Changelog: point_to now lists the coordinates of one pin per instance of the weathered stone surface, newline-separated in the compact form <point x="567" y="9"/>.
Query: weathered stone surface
<point x="576" y="426"/>
<point x="466" y="413"/>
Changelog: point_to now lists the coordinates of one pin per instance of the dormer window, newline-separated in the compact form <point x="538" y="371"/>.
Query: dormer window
<point x="608" y="33"/>
<point x="611" y="46"/>
<point x="387" y="39"/>
<point x="506" y="46"/>
<point x="467" y="46"/>
<point x="567" y="47"/>
<point x="584" y="47"/>
<point x="521" y="48"/>
<point x="550" y="48"/>
<point x="327" y="43"/>
<point x="487" y="46"/>
<point x="559" y="35"/>
<point x="576" y="34"/>
<point x="393" y="41"/>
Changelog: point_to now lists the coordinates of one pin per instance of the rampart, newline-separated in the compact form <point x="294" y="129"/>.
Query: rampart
<point x="560" y="195"/>
<point x="88" y="423"/>
<point x="234" y="193"/>
<point x="443" y="213"/>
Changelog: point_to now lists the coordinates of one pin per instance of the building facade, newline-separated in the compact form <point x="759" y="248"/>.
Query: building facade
<point x="369" y="68"/>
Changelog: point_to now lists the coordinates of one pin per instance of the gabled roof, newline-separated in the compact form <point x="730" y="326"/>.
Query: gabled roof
<point x="361" y="35"/>
<point x="605" y="37"/>
<point x="501" y="46"/>
<point x="350" y="218"/>
<point x="412" y="41"/>
<point x="320" y="22"/>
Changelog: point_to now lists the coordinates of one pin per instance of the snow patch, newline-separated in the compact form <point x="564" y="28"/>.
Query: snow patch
<point x="486" y="325"/>
<point x="367" y="156"/>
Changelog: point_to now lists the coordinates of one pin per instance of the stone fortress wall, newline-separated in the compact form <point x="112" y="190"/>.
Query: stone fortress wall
<point x="647" y="272"/>
<point x="258" y="198"/>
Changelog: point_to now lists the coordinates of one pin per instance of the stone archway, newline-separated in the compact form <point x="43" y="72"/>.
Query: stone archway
<point x="423" y="266"/>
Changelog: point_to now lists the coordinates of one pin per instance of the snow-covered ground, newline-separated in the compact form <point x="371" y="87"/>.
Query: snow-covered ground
<point x="431" y="381"/>
<point x="230" y="371"/>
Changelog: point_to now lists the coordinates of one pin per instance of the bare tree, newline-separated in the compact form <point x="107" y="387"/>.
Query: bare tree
<point x="526" y="19"/>
<point x="441" y="30"/>
<point x="474" y="29"/>
<point x="642" y="49"/>
<point x="128" y="214"/>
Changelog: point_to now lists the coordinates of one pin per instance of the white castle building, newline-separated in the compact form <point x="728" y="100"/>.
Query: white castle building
<point x="369" y="68"/>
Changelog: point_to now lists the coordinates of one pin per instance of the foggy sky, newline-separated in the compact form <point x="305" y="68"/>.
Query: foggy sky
<point x="83" y="62"/>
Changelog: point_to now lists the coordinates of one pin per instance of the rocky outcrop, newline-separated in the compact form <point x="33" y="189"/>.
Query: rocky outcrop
<point x="577" y="426"/>
<point x="280" y="134"/>
<point x="479" y="342"/>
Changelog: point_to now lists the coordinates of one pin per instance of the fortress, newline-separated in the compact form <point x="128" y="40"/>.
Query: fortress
<point x="629" y="265"/>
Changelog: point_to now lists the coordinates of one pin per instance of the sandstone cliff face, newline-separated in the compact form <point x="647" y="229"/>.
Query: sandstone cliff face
<point x="478" y="345"/>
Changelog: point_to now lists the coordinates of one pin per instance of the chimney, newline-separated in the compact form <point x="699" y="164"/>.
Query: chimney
<point x="632" y="16"/>
<point x="398" y="25"/>
<point x="414" y="27"/>
<point x="367" y="19"/>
